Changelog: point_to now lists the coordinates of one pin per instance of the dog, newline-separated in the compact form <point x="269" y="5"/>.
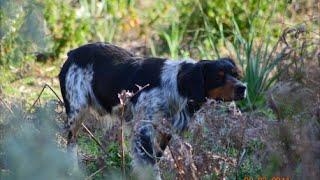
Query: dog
<point x="94" y="74"/>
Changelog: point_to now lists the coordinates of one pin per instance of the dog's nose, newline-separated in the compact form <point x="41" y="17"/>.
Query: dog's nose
<point x="240" y="89"/>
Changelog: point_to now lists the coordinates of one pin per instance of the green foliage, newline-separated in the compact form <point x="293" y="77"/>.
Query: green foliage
<point x="29" y="149"/>
<point x="22" y="31"/>
<point x="88" y="146"/>
<point x="273" y="165"/>
<point x="111" y="159"/>
<point x="66" y="29"/>
<point x="209" y="26"/>
<point x="258" y="65"/>
<point x="71" y="26"/>
<point x="250" y="168"/>
<point x="173" y="40"/>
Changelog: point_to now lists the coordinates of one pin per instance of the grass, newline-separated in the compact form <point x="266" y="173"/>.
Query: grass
<point x="173" y="40"/>
<point x="259" y="67"/>
<point x="26" y="81"/>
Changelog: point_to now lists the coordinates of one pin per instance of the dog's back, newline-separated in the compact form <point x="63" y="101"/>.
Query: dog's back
<point x="94" y="74"/>
<point x="77" y="74"/>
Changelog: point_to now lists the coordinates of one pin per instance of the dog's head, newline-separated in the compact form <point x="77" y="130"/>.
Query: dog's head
<point x="217" y="80"/>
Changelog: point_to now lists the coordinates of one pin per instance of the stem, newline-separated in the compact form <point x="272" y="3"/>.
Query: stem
<point x="122" y="143"/>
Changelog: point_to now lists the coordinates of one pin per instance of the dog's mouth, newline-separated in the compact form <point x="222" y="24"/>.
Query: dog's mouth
<point x="240" y="92"/>
<point x="239" y="97"/>
<point x="235" y="98"/>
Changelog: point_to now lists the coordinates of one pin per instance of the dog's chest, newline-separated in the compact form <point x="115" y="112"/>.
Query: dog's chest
<point x="157" y="104"/>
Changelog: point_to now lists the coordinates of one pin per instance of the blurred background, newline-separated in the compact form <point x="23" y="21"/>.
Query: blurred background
<point x="275" y="42"/>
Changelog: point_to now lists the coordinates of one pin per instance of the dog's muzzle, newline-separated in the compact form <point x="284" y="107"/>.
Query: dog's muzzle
<point x="240" y="91"/>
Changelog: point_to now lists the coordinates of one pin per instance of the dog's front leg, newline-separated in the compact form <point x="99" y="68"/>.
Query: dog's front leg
<point x="163" y="140"/>
<point x="144" y="154"/>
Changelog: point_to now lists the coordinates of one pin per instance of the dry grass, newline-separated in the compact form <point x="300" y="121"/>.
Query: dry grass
<point x="285" y="148"/>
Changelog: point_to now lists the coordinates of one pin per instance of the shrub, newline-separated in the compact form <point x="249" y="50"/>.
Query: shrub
<point x="29" y="147"/>
<point x="66" y="29"/>
<point x="22" y="31"/>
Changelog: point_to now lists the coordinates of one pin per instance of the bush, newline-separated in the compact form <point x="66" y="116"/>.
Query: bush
<point x="22" y="32"/>
<point x="30" y="149"/>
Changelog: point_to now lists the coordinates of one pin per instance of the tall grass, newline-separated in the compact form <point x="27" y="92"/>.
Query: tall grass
<point x="257" y="55"/>
<point x="258" y="58"/>
<point x="209" y="32"/>
<point x="103" y="22"/>
<point x="173" y="39"/>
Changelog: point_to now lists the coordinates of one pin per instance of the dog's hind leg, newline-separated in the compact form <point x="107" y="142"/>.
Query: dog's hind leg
<point x="74" y="124"/>
<point x="76" y="94"/>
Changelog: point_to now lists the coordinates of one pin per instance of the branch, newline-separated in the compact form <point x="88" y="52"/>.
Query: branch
<point x="38" y="98"/>
<point x="61" y="102"/>
<point x="93" y="137"/>
<point x="93" y="174"/>
<point x="6" y="105"/>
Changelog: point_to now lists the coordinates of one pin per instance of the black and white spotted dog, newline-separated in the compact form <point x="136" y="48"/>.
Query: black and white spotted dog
<point x="94" y="74"/>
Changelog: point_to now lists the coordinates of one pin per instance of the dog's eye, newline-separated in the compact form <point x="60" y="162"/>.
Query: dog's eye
<point x="235" y="74"/>
<point x="221" y="73"/>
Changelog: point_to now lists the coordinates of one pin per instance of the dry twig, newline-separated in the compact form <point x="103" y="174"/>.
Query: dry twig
<point x="124" y="98"/>
<point x="6" y="105"/>
<point x="40" y="94"/>
<point x="93" y="137"/>
<point x="95" y="173"/>
<point x="61" y="102"/>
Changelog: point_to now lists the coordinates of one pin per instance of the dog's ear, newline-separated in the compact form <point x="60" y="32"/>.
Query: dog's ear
<point x="229" y="60"/>
<point x="191" y="82"/>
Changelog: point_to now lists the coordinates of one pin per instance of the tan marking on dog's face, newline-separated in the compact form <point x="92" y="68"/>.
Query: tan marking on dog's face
<point x="222" y="81"/>
<point x="225" y="93"/>
<point x="221" y="74"/>
<point x="237" y="72"/>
